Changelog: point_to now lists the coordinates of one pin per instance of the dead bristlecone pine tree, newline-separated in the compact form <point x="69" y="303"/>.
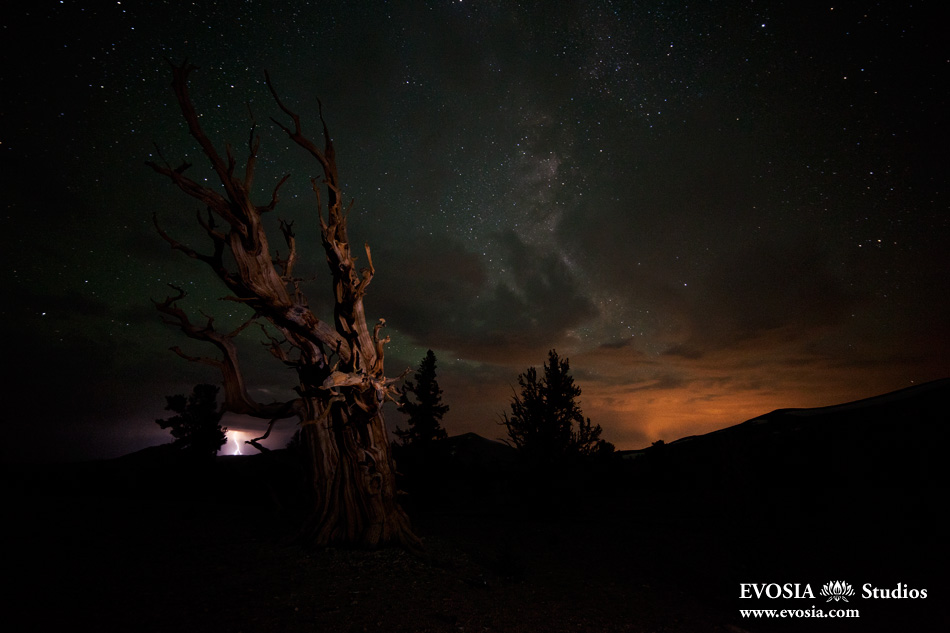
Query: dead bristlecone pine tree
<point x="340" y="379"/>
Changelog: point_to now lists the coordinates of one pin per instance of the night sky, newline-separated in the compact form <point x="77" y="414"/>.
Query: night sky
<point x="713" y="209"/>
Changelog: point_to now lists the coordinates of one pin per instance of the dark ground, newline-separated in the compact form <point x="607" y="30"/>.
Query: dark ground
<point x="108" y="547"/>
<point x="656" y="542"/>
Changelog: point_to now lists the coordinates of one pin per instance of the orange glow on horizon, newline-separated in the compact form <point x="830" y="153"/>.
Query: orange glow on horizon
<point x="639" y="398"/>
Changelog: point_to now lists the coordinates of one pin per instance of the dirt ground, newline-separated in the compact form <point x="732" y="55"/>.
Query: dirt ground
<point x="152" y="566"/>
<point x="121" y="562"/>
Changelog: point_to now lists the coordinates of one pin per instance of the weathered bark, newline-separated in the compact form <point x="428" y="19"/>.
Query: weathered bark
<point x="339" y="407"/>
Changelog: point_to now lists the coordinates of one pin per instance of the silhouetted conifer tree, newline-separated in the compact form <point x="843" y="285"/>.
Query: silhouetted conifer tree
<point x="546" y="424"/>
<point x="196" y="427"/>
<point x="425" y="409"/>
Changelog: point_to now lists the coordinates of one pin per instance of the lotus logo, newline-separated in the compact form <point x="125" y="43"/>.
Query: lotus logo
<point x="837" y="590"/>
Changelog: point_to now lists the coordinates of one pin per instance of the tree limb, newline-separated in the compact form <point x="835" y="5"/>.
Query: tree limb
<point x="237" y="399"/>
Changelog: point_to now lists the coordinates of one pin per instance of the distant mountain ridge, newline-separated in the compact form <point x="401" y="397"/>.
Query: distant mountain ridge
<point x="901" y="436"/>
<point x="914" y="392"/>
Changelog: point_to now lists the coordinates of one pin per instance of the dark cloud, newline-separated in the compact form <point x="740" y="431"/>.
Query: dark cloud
<point x="684" y="351"/>
<point x="617" y="345"/>
<point x="445" y="299"/>
<point x="426" y="288"/>
<point x="766" y="288"/>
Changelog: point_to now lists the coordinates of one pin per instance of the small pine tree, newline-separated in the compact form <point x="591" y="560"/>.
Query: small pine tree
<point x="546" y="424"/>
<point x="196" y="427"/>
<point x="425" y="410"/>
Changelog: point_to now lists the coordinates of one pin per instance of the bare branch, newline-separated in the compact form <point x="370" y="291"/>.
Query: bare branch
<point x="180" y="85"/>
<point x="274" y="198"/>
<point x="326" y="158"/>
<point x="316" y="191"/>
<point x="287" y="265"/>
<point x="289" y="409"/>
<point x="204" y="360"/>
<point x="210" y="198"/>
<point x="233" y="333"/>
<point x="209" y="227"/>
<point x="215" y="260"/>
<point x="366" y="274"/>
<point x="275" y="346"/>
<point x="379" y="342"/>
<point x="236" y="397"/>
<point x="175" y="244"/>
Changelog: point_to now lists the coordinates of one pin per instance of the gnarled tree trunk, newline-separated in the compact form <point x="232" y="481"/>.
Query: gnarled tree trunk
<point x="342" y="385"/>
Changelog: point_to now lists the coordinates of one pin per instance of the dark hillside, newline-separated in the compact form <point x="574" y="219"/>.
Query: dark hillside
<point x="894" y="439"/>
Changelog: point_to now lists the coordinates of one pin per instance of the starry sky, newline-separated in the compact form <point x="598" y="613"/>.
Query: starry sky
<point x="713" y="209"/>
